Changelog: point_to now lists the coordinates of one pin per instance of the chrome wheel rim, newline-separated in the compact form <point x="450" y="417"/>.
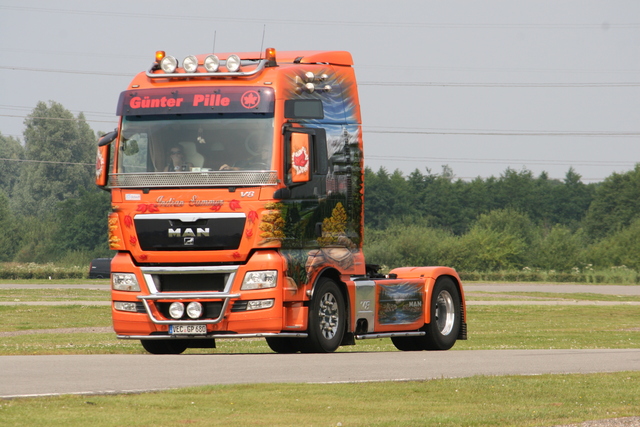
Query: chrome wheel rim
<point x="445" y="314"/>
<point x="328" y="314"/>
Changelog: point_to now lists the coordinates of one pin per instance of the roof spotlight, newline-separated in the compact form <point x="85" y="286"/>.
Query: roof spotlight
<point x="211" y="63"/>
<point x="190" y="64"/>
<point x="233" y="63"/>
<point x="169" y="64"/>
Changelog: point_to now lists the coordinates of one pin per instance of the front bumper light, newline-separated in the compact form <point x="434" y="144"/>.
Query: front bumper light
<point x="259" y="280"/>
<point x="125" y="306"/>
<point x="124" y="282"/>
<point x="260" y="304"/>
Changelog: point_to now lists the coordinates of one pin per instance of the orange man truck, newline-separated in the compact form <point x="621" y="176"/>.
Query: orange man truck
<point x="237" y="211"/>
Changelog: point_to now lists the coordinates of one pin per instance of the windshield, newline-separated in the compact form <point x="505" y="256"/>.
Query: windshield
<point x="195" y="143"/>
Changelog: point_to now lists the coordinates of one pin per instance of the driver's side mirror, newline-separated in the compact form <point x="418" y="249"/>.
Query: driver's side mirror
<point x="108" y="138"/>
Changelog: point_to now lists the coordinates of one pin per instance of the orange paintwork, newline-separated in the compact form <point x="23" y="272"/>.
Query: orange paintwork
<point x="260" y="246"/>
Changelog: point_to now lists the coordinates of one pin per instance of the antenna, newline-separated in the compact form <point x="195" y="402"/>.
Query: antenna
<point x="264" y="30"/>
<point x="214" y="42"/>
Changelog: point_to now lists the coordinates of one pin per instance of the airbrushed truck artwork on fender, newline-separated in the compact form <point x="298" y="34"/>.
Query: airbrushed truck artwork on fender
<point x="237" y="195"/>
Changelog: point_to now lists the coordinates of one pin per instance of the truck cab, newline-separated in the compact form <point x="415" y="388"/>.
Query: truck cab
<point x="237" y="211"/>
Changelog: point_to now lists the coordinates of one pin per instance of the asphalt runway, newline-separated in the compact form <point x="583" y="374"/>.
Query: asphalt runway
<point x="22" y="376"/>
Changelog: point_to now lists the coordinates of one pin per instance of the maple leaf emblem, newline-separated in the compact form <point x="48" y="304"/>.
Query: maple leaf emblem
<point x="234" y="204"/>
<point x="300" y="160"/>
<point x="250" y="99"/>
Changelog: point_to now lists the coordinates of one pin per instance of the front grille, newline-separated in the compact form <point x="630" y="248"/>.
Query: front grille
<point x="193" y="179"/>
<point x="211" y="282"/>
<point x="239" y="306"/>
<point x="195" y="232"/>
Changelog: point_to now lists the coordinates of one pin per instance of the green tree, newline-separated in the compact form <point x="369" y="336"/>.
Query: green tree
<point x="10" y="153"/>
<point x="83" y="222"/>
<point x="61" y="150"/>
<point x="619" y="248"/>
<point x="498" y="240"/>
<point x="570" y="200"/>
<point x="615" y="205"/>
<point x="9" y="238"/>
<point x="559" y="249"/>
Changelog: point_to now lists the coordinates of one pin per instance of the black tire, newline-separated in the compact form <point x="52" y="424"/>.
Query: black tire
<point x="442" y="330"/>
<point x="446" y="317"/>
<point x="327" y="319"/>
<point x="284" y="345"/>
<point x="407" y="343"/>
<point x="171" y="346"/>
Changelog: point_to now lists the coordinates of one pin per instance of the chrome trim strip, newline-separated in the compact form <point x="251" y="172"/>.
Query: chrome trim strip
<point x="190" y="217"/>
<point x="390" y="334"/>
<point x="185" y="296"/>
<point x="216" y="336"/>
<point x="193" y="179"/>
<point x="148" y="273"/>
<point x="260" y="66"/>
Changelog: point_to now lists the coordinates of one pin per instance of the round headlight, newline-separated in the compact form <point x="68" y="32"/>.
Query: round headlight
<point x="176" y="310"/>
<point x="233" y="63"/>
<point x="169" y="64"/>
<point x="190" y="64"/>
<point x="194" y="310"/>
<point x="211" y="63"/>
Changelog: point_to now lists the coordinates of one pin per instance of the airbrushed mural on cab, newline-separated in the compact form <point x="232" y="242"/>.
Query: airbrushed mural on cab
<point x="325" y="220"/>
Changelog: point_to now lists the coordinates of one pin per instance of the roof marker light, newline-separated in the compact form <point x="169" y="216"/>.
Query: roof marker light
<point x="190" y="64"/>
<point x="159" y="55"/>
<point x="270" y="56"/>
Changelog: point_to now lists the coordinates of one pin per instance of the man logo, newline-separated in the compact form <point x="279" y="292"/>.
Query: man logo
<point x="188" y="233"/>
<point x="189" y="241"/>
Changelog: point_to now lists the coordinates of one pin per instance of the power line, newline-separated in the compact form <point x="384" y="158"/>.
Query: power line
<point x="399" y="130"/>
<point x="374" y="83"/>
<point x="46" y="161"/>
<point x="94" y="73"/>
<point x="597" y="163"/>
<point x="523" y="85"/>
<point x="315" y="22"/>
<point x="59" y="118"/>
<point x="507" y="132"/>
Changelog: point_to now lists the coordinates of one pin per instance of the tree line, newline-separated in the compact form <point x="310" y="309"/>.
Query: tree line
<point x="51" y="211"/>
<point x="50" y="208"/>
<point x="515" y="221"/>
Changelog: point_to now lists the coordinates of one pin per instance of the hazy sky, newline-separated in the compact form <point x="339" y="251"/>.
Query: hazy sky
<point x="478" y="85"/>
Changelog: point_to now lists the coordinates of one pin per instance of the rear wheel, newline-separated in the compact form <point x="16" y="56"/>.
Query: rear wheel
<point x="171" y="346"/>
<point x="442" y="330"/>
<point x="327" y="319"/>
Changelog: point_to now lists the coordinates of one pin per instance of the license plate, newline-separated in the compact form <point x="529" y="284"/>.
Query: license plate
<point x="188" y="329"/>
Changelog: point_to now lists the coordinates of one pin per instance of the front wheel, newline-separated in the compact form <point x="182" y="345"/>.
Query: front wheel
<point x="327" y="319"/>
<point x="171" y="346"/>
<point x="284" y="345"/>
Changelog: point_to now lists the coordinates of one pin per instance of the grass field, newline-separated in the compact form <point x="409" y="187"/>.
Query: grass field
<point x="544" y="400"/>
